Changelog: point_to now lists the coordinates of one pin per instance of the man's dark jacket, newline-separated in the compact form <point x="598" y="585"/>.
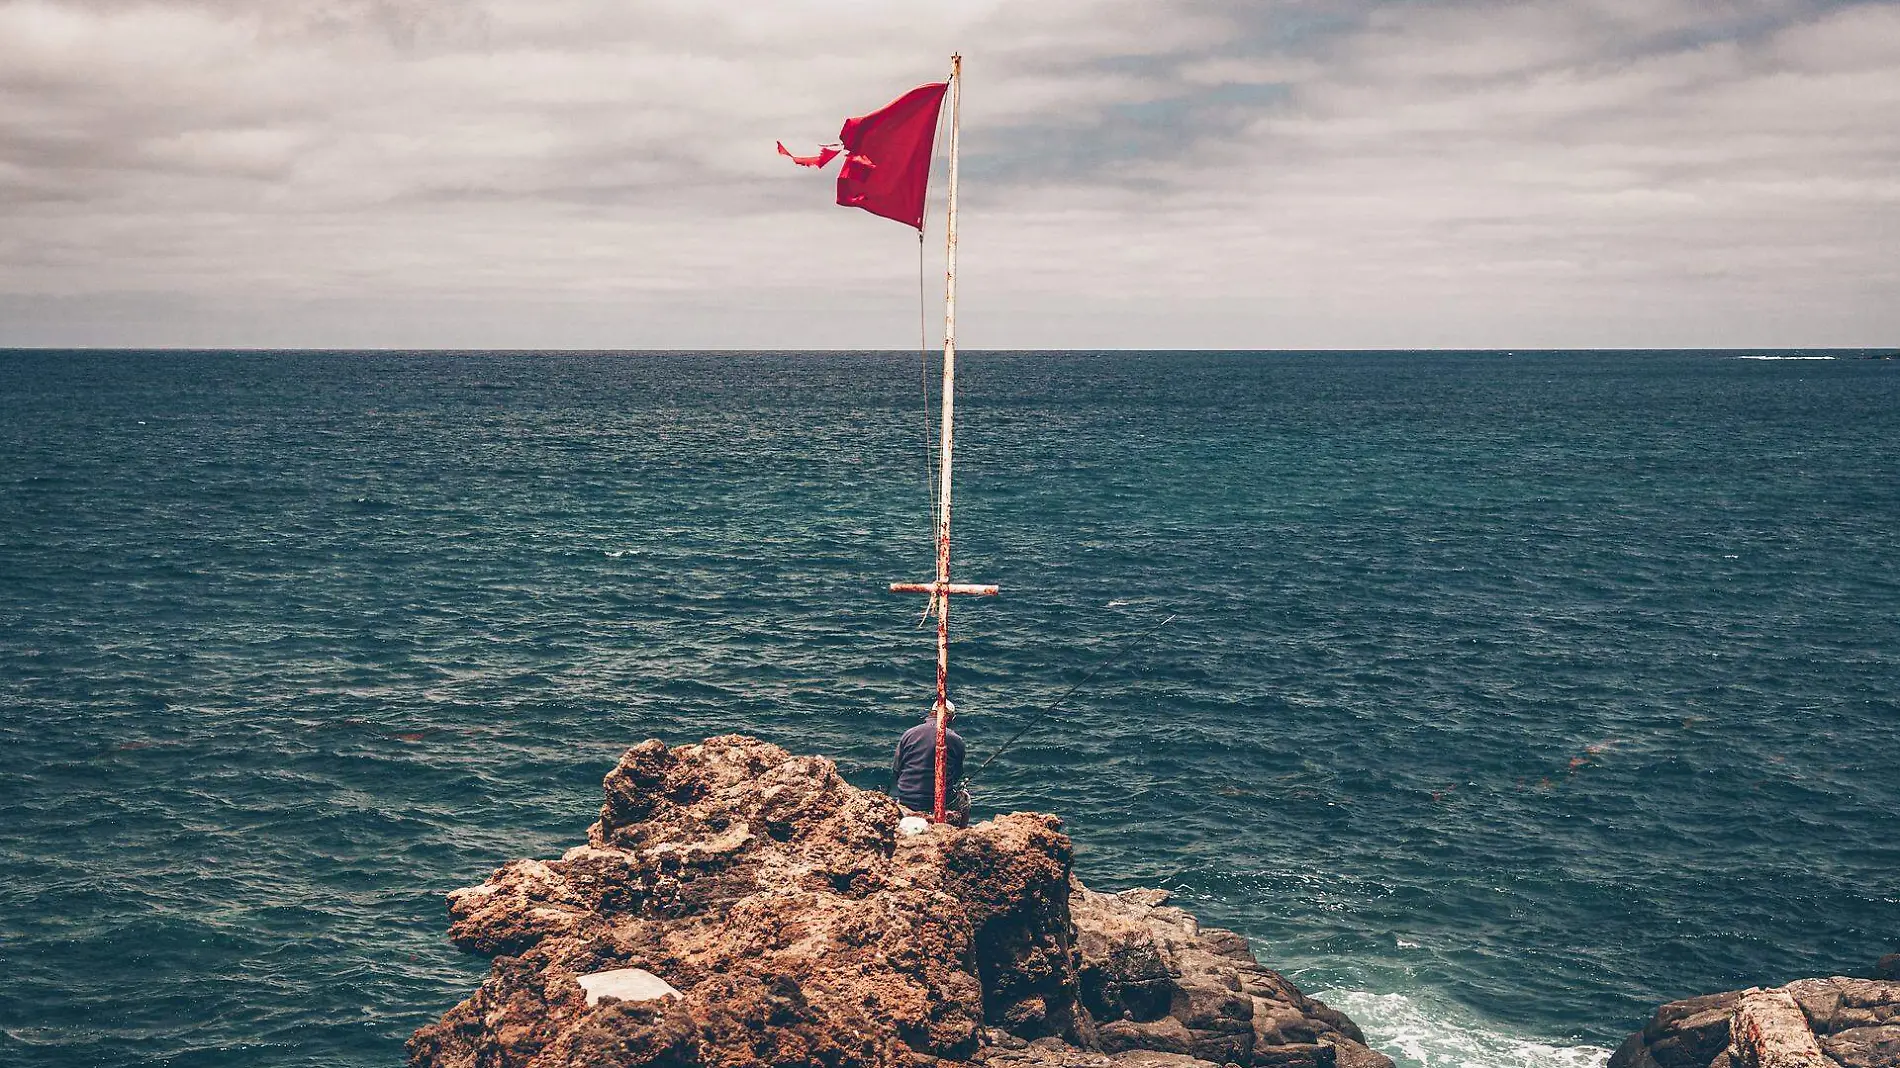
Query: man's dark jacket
<point x="914" y="771"/>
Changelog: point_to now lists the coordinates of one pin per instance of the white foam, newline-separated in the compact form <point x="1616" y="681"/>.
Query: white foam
<point x="1784" y="357"/>
<point x="1418" y="1035"/>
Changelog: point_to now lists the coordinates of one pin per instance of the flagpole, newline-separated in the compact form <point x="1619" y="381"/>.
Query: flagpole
<point x="949" y="408"/>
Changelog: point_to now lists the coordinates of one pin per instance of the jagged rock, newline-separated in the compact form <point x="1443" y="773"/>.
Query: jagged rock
<point x="1166" y="1035"/>
<point x="1046" y="1054"/>
<point x="1864" y="1046"/>
<point x="1144" y="961"/>
<point x="1299" y="1055"/>
<point x="1350" y="1054"/>
<point x="1770" y="1031"/>
<point x="793" y="925"/>
<point x="1812" y="1023"/>
<point x="1123" y="973"/>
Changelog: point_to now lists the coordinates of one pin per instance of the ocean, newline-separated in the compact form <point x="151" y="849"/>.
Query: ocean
<point x="1509" y="694"/>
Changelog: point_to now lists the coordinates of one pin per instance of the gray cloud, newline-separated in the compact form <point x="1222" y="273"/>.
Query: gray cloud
<point x="574" y="173"/>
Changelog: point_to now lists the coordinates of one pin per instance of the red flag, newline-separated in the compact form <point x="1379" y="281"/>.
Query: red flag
<point x="888" y="169"/>
<point x="825" y="155"/>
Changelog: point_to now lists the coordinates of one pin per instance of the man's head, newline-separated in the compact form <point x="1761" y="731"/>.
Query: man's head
<point x="949" y="710"/>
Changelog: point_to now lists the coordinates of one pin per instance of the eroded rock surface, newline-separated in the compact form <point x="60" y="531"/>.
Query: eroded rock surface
<point x="1813" y="1023"/>
<point x="800" y="929"/>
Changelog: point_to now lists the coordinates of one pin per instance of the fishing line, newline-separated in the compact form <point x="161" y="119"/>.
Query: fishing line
<point x="1051" y="706"/>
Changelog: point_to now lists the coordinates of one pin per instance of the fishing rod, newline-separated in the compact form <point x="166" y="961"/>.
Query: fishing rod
<point x="1051" y="706"/>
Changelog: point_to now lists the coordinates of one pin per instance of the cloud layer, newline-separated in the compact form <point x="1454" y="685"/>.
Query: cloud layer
<point x="1170" y="173"/>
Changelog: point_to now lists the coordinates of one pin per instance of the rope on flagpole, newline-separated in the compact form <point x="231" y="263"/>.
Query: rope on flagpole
<point x="923" y="357"/>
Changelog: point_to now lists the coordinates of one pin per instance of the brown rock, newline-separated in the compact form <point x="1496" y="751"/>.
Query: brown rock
<point x="1269" y="984"/>
<point x="1221" y="1047"/>
<point x="1224" y="943"/>
<point x="1166" y="1035"/>
<point x="1819" y="1000"/>
<point x="1350" y="1054"/>
<point x="1202" y="1002"/>
<point x="1123" y="971"/>
<point x="1330" y="1017"/>
<point x="798" y="929"/>
<point x="1043" y="1053"/>
<point x="1694" y="1039"/>
<point x="1670" y="1016"/>
<point x="1770" y="1031"/>
<point x="1794" y="1025"/>
<point x="1297" y="1055"/>
<point x="1880" y="999"/>
<point x="1276" y="1023"/>
<point x="1864" y="1047"/>
<point x="1150" y="1059"/>
<point x="1633" y="1053"/>
<point x="1681" y="1034"/>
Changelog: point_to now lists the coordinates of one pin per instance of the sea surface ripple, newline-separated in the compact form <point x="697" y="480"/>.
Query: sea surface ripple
<point x="1509" y="695"/>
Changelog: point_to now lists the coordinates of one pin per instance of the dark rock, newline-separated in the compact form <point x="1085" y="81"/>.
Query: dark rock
<point x="1695" y="1043"/>
<point x="1135" y="948"/>
<point x="1633" y="1053"/>
<point x="1671" y="1017"/>
<point x="1888" y="967"/>
<point x="1682" y="1034"/>
<point x="1123" y="971"/>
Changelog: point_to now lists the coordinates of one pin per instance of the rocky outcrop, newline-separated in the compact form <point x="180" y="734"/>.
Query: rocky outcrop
<point x="1813" y="1023"/>
<point x="736" y="905"/>
<point x="1153" y="979"/>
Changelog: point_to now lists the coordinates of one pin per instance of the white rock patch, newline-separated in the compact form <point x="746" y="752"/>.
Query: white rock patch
<point x="627" y="984"/>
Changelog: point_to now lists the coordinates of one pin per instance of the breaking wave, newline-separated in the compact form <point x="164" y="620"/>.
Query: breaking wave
<point x="1419" y="1034"/>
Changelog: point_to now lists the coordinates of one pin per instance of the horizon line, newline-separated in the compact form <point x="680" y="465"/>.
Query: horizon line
<point x="461" y="350"/>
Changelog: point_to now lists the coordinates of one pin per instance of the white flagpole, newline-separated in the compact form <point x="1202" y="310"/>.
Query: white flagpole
<point x="949" y="408"/>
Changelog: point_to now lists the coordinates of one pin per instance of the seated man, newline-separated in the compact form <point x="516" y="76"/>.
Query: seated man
<point x="914" y="768"/>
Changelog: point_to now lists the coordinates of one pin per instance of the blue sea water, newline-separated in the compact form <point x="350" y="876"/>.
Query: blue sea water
<point x="1510" y="694"/>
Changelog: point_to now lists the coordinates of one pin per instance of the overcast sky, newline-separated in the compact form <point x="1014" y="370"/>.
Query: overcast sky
<point x="1148" y="173"/>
